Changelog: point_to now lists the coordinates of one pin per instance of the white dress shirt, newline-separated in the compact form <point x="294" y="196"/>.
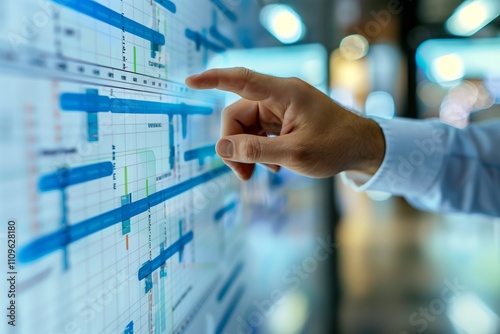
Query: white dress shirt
<point x="438" y="167"/>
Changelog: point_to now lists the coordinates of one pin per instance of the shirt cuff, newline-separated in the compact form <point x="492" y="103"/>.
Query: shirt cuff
<point x="413" y="157"/>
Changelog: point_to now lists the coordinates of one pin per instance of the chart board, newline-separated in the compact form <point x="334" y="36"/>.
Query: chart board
<point x="126" y="221"/>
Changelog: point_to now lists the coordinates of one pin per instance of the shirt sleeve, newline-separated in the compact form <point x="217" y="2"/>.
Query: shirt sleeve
<point x="438" y="167"/>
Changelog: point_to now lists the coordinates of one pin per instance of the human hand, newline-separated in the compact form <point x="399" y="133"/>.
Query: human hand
<point x="310" y="133"/>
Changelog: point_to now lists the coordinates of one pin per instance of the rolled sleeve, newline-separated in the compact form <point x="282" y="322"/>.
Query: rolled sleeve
<point x="413" y="158"/>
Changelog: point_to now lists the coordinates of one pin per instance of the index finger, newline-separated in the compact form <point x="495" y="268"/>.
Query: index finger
<point x="246" y="83"/>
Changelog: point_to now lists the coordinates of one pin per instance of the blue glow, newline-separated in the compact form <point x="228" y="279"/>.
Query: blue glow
<point x="479" y="55"/>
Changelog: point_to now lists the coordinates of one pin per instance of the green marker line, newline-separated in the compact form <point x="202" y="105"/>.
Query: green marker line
<point x="147" y="188"/>
<point x="135" y="59"/>
<point x="126" y="181"/>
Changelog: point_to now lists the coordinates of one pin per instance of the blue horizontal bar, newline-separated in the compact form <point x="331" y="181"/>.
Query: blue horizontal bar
<point x="219" y="214"/>
<point x="65" y="177"/>
<point x="226" y="11"/>
<point x="200" y="153"/>
<point x="115" y="19"/>
<point x="169" y="5"/>
<point x="165" y="254"/>
<point x="99" y="103"/>
<point x="230" y="281"/>
<point x="230" y="310"/>
<point x="201" y="40"/>
<point x="65" y="236"/>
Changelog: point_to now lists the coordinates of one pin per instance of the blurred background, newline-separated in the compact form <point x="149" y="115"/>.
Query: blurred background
<point x="393" y="265"/>
<point x="298" y="255"/>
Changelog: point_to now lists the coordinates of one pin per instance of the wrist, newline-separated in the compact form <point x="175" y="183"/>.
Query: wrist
<point x="370" y="147"/>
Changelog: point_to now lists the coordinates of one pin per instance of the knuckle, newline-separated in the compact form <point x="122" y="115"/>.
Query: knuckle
<point x="296" y="81"/>
<point x="245" y="72"/>
<point x="251" y="150"/>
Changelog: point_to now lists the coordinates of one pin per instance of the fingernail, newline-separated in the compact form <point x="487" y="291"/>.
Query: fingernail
<point x="191" y="77"/>
<point x="272" y="168"/>
<point x="225" y="148"/>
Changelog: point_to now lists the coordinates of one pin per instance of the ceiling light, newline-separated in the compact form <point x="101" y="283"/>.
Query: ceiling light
<point x="472" y="15"/>
<point x="354" y="47"/>
<point x="448" y="68"/>
<point x="283" y="23"/>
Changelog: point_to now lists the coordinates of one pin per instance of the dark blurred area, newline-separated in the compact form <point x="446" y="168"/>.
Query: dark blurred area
<point x="396" y="269"/>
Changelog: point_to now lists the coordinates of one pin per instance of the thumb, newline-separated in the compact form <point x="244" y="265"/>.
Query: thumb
<point x="251" y="149"/>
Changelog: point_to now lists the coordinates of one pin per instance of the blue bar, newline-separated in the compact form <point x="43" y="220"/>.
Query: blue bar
<point x="92" y="127"/>
<point x="200" y="153"/>
<point x="65" y="177"/>
<point x="146" y="107"/>
<point x="92" y="122"/>
<point x="106" y="15"/>
<point x="130" y="328"/>
<point x="169" y="5"/>
<point x="163" y="272"/>
<point x="126" y="199"/>
<point x="99" y="103"/>
<point x="226" y="11"/>
<point x="181" y="250"/>
<point x="65" y="236"/>
<point x="171" y="142"/>
<point x="230" y="281"/>
<point x="201" y="40"/>
<point x="165" y="254"/>
<point x="85" y="102"/>
<point x="230" y="310"/>
<point x="64" y="224"/>
<point x="219" y="214"/>
<point x="148" y="284"/>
